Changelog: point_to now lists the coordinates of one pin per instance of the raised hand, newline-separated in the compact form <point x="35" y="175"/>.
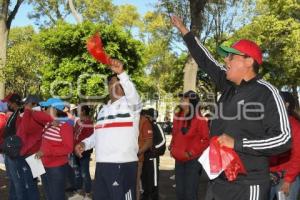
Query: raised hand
<point x="178" y="23"/>
<point x="116" y="66"/>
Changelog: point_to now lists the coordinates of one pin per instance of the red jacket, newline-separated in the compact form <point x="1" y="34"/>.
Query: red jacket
<point x="289" y="161"/>
<point x="57" y="144"/>
<point x="195" y="141"/>
<point x="83" y="129"/>
<point x="30" y="130"/>
<point x="3" y="120"/>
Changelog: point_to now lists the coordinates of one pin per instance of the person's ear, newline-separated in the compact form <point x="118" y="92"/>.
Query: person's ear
<point x="249" y="62"/>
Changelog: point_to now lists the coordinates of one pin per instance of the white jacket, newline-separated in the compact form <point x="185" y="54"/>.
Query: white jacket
<point x="116" y="132"/>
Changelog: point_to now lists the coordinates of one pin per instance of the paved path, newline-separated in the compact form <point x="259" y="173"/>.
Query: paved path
<point x="167" y="191"/>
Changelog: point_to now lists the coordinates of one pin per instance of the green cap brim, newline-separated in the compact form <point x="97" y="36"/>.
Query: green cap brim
<point x="224" y="51"/>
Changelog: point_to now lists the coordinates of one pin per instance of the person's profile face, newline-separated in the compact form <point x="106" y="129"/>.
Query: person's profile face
<point x="236" y="67"/>
<point x="114" y="88"/>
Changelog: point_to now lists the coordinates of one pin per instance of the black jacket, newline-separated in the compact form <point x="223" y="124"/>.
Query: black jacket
<point x="253" y="113"/>
<point x="159" y="143"/>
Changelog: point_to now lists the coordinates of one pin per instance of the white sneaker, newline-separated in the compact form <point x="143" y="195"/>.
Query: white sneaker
<point x="76" y="196"/>
<point x="87" y="197"/>
<point x="172" y="177"/>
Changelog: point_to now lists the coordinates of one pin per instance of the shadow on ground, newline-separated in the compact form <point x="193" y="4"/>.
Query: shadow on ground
<point x="167" y="191"/>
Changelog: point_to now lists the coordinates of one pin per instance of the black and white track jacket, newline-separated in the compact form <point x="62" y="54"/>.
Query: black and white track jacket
<point x="253" y="113"/>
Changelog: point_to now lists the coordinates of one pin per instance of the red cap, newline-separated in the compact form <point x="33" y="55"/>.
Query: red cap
<point x="6" y="99"/>
<point x="249" y="48"/>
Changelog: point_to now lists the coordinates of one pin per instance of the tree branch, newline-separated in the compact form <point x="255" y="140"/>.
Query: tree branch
<point x="74" y="11"/>
<point x="13" y="13"/>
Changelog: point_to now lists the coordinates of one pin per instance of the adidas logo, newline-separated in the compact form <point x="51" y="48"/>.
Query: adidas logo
<point x="115" y="183"/>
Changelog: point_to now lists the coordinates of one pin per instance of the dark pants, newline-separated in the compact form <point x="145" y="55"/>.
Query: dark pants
<point x="21" y="183"/>
<point x="150" y="178"/>
<point x="82" y="176"/>
<point x="115" y="181"/>
<point x="54" y="182"/>
<point x="187" y="177"/>
<point x="220" y="189"/>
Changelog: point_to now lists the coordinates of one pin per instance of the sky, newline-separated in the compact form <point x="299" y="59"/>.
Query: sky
<point x="21" y="18"/>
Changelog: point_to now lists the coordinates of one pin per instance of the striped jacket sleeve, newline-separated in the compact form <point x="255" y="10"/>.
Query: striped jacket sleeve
<point x="277" y="137"/>
<point x="206" y="62"/>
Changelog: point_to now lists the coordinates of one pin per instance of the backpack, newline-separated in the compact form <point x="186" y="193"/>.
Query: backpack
<point x="159" y="142"/>
<point x="12" y="143"/>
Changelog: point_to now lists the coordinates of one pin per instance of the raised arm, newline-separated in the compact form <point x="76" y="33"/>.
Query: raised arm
<point x="202" y="56"/>
<point x="130" y="91"/>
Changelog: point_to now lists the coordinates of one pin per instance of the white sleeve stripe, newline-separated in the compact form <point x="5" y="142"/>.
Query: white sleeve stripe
<point x="209" y="55"/>
<point x="284" y="125"/>
<point x="284" y="138"/>
<point x="269" y="147"/>
<point x="283" y="118"/>
<point x="163" y="137"/>
<point x="251" y="192"/>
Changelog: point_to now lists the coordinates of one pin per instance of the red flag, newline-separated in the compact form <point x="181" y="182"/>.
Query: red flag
<point x="95" y="48"/>
<point x="224" y="158"/>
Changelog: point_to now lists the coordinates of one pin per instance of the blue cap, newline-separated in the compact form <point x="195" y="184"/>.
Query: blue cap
<point x="54" y="102"/>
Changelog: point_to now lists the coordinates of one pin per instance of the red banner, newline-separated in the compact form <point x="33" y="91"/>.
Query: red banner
<point x="95" y="48"/>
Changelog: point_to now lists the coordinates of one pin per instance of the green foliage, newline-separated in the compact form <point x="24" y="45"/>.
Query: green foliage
<point x="96" y="10"/>
<point x="283" y="9"/>
<point x="72" y="65"/>
<point x="127" y="16"/>
<point x="46" y="13"/>
<point x="279" y="40"/>
<point x="24" y="59"/>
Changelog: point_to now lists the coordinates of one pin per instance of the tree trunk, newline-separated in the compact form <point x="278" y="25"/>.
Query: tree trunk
<point x="190" y="75"/>
<point x="6" y="18"/>
<point x="3" y="47"/>
<point x="3" y="44"/>
<point x="191" y="68"/>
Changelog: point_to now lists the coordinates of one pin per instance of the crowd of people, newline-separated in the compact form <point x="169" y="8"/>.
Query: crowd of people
<point x="254" y="119"/>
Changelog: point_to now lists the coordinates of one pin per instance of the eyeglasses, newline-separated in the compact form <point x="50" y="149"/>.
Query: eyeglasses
<point x="230" y="56"/>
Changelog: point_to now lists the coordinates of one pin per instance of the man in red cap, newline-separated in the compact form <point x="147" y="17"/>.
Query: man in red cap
<point x="250" y="116"/>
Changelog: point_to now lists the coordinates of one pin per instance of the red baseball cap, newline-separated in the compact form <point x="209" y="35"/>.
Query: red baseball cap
<point x="243" y="47"/>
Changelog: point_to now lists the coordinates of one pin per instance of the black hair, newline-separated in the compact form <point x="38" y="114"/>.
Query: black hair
<point x="15" y="98"/>
<point x="60" y="114"/>
<point x="291" y="109"/>
<point x="143" y="112"/>
<point x="152" y="113"/>
<point x="108" y="79"/>
<point x="255" y="66"/>
<point x="86" y="110"/>
<point x="193" y="110"/>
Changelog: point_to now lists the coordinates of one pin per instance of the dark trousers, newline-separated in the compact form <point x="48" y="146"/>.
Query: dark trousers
<point x="115" y="181"/>
<point x="22" y="186"/>
<point x="150" y="178"/>
<point x="54" y="182"/>
<point x="187" y="179"/>
<point x="81" y="177"/>
<point x="220" y="189"/>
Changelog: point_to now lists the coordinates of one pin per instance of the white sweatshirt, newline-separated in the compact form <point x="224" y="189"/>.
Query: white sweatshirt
<point x="115" y="137"/>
